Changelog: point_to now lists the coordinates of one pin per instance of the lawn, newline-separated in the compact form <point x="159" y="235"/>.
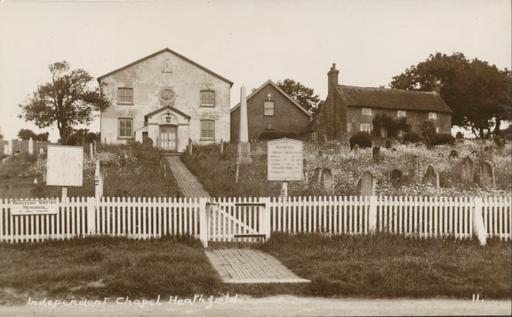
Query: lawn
<point x="396" y="266"/>
<point x="131" y="170"/>
<point x="217" y="171"/>
<point x="105" y="267"/>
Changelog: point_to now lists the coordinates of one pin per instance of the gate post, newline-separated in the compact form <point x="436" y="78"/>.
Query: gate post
<point x="264" y="224"/>
<point x="372" y="214"/>
<point x="478" y="221"/>
<point x="203" y="221"/>
<point x="91" y="215"/>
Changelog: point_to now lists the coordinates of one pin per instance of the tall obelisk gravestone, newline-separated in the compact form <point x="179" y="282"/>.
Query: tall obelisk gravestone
<point x="244" y="147"/>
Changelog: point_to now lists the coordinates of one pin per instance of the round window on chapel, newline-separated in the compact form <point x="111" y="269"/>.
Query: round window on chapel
<point x="167" y="95"/>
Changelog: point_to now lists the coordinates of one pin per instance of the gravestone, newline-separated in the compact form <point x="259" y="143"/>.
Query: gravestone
<point x="355" y="148"/>
<point x="190" y="147"/>
<point x="317" y="172"/>
<point x="431" y="177"/>
<point x="221" y="146"/>
<point x="396" y="178"/>
<point x="305" y="166"/>
<point x="328" y="182"/>
<point x="367" y="184"/>
<point x="487" y="154"/>
<point x="487" y="178"/>
<point x="325" y="139"/>
<point x="376" y="154"/>
<point x="467" y="170"/>
<point x="453" y="154"/>
<point x="30" y="146"/>
<point x="414" y="167"/>
<point x="387" y="144"/>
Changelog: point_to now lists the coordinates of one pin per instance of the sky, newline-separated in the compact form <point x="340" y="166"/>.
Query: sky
<point x="246" y="41"/>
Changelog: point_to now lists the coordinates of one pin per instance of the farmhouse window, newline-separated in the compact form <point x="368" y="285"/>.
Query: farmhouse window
<point x="367" y="111"/>
<point x="125" y="128"/>
<point x="401" y="114"/>
<point x="207" y="98"/>
<point x="365" y="127"/>
<point x="432" y="116"/>
<point x="207" y="129"/>
<point x="125" y="96"/>
<point x="349" y="127"/>
<point x="268" y="108"/>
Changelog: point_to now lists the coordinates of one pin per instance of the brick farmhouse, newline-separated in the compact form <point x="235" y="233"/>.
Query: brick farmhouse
<point x="270" y="110"/>
<point x="167" y="98"/>
<point x="350" y="109"/>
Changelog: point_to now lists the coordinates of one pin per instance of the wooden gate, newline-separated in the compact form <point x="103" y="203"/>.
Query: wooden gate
<point x="238" y="220"/>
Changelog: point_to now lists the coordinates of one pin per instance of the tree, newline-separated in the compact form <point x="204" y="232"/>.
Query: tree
<point x="478" y="93"/>
<point x="304" y="96"/>
<point x="25" y="134"/>
<point x="68" y="100"/>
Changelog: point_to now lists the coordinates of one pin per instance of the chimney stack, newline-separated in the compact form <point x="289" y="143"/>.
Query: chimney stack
<point x="332" y="78"/>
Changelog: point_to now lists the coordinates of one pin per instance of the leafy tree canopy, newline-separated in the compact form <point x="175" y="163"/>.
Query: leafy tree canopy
<point x="478" y="93"/>
<point x="304" y="96"/>
<point x="25" y="134"/>
<point x="67" y="100"/>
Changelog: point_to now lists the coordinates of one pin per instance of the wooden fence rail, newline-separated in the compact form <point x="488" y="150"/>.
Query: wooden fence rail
<point x="230" y="219"/>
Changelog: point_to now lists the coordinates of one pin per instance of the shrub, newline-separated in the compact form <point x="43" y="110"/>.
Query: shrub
<point x="442" y="138"/>
<point x="412" y="137"/>
<point x="362" y="139"/>
<point x="271" y="135"/>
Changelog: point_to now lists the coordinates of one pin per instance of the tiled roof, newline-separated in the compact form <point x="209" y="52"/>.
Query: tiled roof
<point x="396" y="99"/>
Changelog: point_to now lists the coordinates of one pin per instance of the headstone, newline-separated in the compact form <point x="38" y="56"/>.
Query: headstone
<point x="95" y="149"/>
<point x="453" y="154"/>
<point x="325" y="139"/>
<point x="327" y="180"/>
<point x="396" y="178"/>
<point x="355" y="148"/>
<point x="431" y="177"/>
<point x="317" y="172"/>
<point x="91" y="151"/>
<point x="221" y="146"/>
<point x="487" y="154"/>
<point x="367" y="184"/>
<point x="8" y="148"/>
<point x="387" y="144"/>
<point x="30" y="146"/>
<point x="467" y="170"/>
<point x="487" y="178"/>
<point x="376" y="154"/>
<point x="414" y="167"/>
<point x="190" y="147"/>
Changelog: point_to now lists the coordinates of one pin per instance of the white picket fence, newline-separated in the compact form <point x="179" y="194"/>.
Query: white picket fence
<point x="241" y="219"/>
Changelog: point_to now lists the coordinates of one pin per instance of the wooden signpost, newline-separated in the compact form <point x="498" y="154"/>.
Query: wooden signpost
<point x="65" y="165"/>
<point x="285" y="162"/>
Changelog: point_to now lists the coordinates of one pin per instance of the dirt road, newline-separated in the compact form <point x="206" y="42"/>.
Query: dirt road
<point x="268" y="306"/>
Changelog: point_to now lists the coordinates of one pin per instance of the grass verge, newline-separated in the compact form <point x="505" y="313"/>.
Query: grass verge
<point x="394" y="266"/>
<point x="106" y="267"/>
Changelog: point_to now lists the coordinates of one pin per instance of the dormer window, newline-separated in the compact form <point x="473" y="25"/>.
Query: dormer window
<point x="207" y="98"/>
<point x="125" y="96"/>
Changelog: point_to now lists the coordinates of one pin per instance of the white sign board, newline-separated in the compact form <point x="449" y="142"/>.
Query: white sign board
<point x="284" y="160"/>
<point x="34" y="207"/>
<point x="65" y="165"/>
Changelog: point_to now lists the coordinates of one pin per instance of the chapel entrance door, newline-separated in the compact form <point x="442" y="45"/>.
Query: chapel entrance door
<point x="167" y="139"/>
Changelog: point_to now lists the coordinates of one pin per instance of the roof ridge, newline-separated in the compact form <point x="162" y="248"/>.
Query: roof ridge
<point x="186" y="59"/>
<point x="388" y="89"/>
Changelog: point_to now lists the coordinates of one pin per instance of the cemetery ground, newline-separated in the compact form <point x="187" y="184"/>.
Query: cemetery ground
<point x="379" y="266"/>
<point x="131" y="170"/>
<point x="217" y="171"/>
